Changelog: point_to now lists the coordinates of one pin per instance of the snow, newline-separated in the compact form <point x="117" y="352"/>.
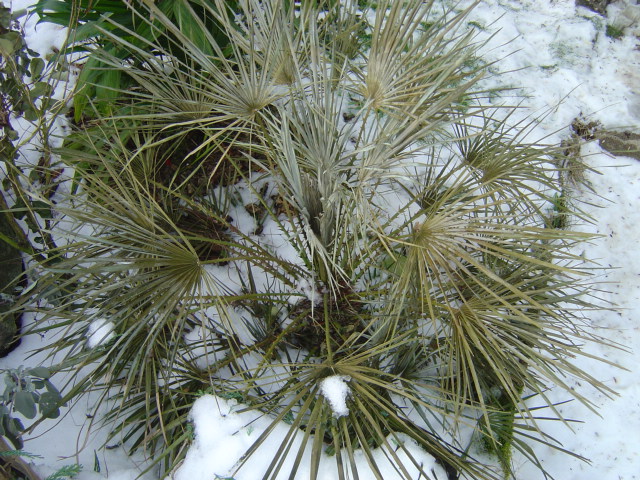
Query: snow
<point x="559" y="57"/>
<point x="220" y="434"/>
<point x="310" y="291"/>
<point x="45" y="38"/>
<point x="610" y="438"/>
<point x="223" y="433"/>
<point x="99" y="332"/>
<point x="336" y="390"/>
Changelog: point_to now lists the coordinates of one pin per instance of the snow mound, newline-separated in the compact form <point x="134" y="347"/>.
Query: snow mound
<point x="99" y="332"/>
<point x="336" y="391"/>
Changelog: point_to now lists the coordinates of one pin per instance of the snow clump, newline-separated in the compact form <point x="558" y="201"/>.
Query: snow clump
<point x="336" y="391"/>
<point x="99" y="332"/>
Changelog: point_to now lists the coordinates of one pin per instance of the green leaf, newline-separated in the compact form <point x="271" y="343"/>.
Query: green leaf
<point x="190" y="27"/>
<point x="16" y="41"/>
<point x="24" y="403"/>
<point x="34" y="175"/>
<point x="51" y="387"/>
<point x="54" y="11"/>
<point x="31" y="114"/>
<point x="6" y="47"/>
<point x="6" y="395"/>
<point x="108" y="85"/>
<point x="39" y="89"/>
<point x="86" y="82"/>
<point x="49" y="404"/>
<point x="8" y="379"/>
<point x="36" y="67"/>
<point x="12" y="429"/>
<point x="40" y="372"/>
<point x="86" y="32"/>
<point x="43" y="209"/>
<point x="12" y="134"/>
<point x="5" y="17"/>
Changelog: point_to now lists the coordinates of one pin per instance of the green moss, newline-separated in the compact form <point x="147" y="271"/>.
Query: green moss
<point x="497" y="436"/>
<point x="614" y="32"/>
<point x="596" y="20"/>
<point x="499" y="442"/>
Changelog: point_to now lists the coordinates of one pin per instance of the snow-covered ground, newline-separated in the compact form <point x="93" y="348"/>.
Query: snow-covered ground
<point x="566" y="66"/>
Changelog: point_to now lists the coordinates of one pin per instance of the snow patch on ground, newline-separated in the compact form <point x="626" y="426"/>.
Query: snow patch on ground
<point x="223" y="432"/>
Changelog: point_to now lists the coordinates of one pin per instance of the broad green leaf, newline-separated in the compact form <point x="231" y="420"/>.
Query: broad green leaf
<point x="23" y="402"/>
<point x="5" y="17"/>
<point x="51" y="387"/>
<point x="36" y="67"/>
<point x="40" y="372"/>
<point x="190" y="27"/>
<point x="12" y="428"/>
<point x="39" y="89"/>
<point x="49" y="404"/>
<point x="85" y="88"/>
<point x="87" y="31"/>
<point x="15" y="426"/>
<point x="7" y="47"/>
<point x="13" y="135"/>
<point x="15" y="39"/>
<point x="108" y="84"/>
<point x="31" y="114"/>
<point x="42" y="208"/>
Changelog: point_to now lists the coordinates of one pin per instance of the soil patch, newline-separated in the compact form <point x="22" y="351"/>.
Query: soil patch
<point x="620" y="143"/>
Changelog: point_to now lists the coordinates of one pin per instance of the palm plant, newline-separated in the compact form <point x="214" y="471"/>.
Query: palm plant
<point x="409" y="259"/>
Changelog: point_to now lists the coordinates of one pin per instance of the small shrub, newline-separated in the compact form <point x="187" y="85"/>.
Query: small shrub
<point x="28" y="391"/>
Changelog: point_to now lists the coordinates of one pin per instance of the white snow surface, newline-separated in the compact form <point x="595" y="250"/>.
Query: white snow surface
<point x="223" y="433"/>
<point x="565" y="65"/>
<point x="336" y="390"/>
<point x="100" y="331"/>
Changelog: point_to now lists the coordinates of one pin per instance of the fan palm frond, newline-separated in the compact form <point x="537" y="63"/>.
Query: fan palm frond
<point x="279" y="203"/>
